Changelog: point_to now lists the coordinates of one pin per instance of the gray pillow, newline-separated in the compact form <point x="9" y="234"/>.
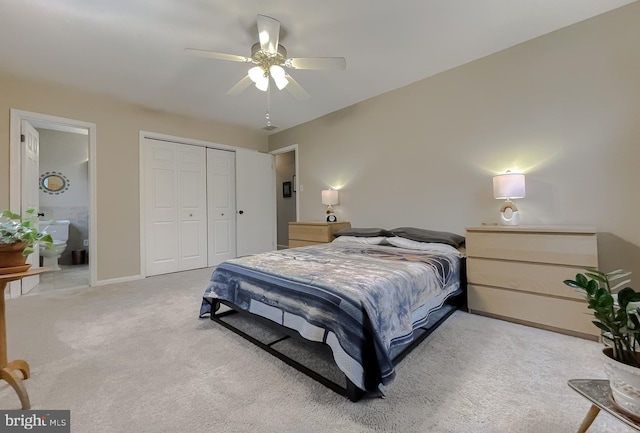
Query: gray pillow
<point x="423" y="235"/>
<point x="364" y="232"/>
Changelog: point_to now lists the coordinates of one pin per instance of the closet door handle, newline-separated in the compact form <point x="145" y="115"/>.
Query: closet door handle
<point x="241" y="212"/>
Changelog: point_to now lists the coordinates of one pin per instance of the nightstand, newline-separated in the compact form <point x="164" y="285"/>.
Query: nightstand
<point x="516" y="273"/>
<point x="311" y="233"/>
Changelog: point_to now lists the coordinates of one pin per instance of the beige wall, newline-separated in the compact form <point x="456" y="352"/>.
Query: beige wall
<point x="563" y="108"/>
<point x="118" y="125"/>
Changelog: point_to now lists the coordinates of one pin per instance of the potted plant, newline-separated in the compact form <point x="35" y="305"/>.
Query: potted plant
<point x="617" y="313"/>
<point x="18" y="238"/>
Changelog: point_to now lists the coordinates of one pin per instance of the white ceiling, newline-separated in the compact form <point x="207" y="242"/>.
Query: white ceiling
<point x="134" y="49"/>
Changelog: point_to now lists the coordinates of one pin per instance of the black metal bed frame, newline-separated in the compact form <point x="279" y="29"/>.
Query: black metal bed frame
<point x="350" y="391"/>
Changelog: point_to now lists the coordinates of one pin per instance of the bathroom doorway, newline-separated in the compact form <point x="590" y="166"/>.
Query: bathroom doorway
<point x="64" y="196"/>
<point x="287" y="188"/>
<point x="65" y="193"/>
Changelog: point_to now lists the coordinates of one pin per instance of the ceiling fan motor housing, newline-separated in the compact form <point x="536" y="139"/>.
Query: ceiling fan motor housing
<point x="266" y="59"/>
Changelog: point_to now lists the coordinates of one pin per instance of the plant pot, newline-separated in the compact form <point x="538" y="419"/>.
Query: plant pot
<point x="11" y="255"/>
<point x="625" y="383"/>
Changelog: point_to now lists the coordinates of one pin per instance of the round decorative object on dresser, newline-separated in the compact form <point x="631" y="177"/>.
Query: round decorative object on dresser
<point x="331" y="218"/>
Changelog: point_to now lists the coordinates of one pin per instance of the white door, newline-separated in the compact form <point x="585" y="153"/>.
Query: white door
<point x="192" y="202"/>
<point x="30" y="176"/>
<point x="174" y="207"/>
<point x="255" y="202"/>
<point x="221" y="205"/>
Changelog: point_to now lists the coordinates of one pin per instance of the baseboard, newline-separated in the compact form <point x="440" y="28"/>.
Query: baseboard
<point x="119" y="280"/>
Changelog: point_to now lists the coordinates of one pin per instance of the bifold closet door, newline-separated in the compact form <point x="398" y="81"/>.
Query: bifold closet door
<point x="175" y="207"/>
<point x="221" y="204"/>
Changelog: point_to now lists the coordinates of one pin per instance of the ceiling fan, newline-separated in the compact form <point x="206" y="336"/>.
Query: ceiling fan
<point x="270" y="59"/>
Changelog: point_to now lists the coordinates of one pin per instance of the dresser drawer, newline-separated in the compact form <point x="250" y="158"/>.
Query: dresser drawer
<point x="318" y="233"/>
<point x="294" y="243"/>
<point x="546" y="279"/>
<point x="557" y="248"/>
<point x="550" y="313"/>
<point x="310" y="233"/>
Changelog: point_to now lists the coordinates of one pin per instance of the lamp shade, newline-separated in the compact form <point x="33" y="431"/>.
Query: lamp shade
<point x="329" y="197"/>
<point x="508" y="185"/>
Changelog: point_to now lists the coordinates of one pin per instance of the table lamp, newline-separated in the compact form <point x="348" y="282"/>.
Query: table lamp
<point x="329" y="198"/>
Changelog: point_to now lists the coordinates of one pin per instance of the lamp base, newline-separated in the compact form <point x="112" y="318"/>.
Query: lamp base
<point x="331" y="217"/>
<point x="509" y="215"/>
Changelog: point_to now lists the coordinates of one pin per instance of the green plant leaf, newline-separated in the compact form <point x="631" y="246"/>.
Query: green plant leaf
<point x="581" y="280"/>
<point x="598" y="277"/>
<point x="592" y="287"/>
<point x="625" y="296"/>
<point x="572" y="283"/>
<point x="620" y="284"/>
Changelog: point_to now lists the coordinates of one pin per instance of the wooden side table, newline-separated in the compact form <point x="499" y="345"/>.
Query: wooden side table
<point x="597" y="391"/>
<point x="7" y="369"/>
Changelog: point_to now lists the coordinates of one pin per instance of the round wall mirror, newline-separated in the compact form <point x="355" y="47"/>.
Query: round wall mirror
<point x="53" y="182"/>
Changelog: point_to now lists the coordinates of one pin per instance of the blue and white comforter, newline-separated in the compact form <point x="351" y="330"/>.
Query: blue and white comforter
<point x="363" y="301"/>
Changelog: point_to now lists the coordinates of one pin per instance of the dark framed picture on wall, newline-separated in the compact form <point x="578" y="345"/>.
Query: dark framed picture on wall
<point x="286" y="189"/>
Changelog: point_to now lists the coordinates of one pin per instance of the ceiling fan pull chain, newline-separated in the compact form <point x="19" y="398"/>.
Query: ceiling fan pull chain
<point x="268" y="106"/>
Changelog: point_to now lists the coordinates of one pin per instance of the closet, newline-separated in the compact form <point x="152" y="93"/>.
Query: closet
<point x="201" y="206"/>
<point x="175" y="205"/>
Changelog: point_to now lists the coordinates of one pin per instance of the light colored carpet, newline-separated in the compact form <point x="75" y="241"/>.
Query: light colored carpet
<point x="134" y="357"/>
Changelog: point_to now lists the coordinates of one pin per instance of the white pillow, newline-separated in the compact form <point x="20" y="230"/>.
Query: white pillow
<point x="375" y="240"/>
<point x="434" y="247"/>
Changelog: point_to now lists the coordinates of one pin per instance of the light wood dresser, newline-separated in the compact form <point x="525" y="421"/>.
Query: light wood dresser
<point x="310" y="233"/>
<point x="516" y="273"/>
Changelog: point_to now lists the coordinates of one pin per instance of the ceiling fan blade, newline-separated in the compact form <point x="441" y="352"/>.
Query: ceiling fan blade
<point x="240" y="86"/>
<point x="268" y="33"/>
<point x="317" y="63"/>
<point x="296" y="89"/>
<point x="218" y="56"/>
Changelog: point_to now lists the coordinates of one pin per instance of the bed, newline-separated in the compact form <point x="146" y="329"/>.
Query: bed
<point x="371" y="296"/>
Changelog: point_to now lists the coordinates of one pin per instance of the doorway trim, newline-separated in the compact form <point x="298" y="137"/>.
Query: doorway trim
<point x="287" y="149"/>
<point x="15" y="182"/>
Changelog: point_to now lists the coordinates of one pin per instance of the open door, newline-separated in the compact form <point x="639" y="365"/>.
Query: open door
<point x="255" y="202"/>
<point x="30" y="148"/>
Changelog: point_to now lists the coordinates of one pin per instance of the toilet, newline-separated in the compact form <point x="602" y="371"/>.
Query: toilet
<point x="59" y="231"/>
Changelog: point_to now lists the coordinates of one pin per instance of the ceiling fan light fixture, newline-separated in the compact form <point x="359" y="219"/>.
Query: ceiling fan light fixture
<point x="263" y="84"/>
<point x="268" y="58"/>
<point x="278" y="75"/>
<point x="256" y="74"/>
